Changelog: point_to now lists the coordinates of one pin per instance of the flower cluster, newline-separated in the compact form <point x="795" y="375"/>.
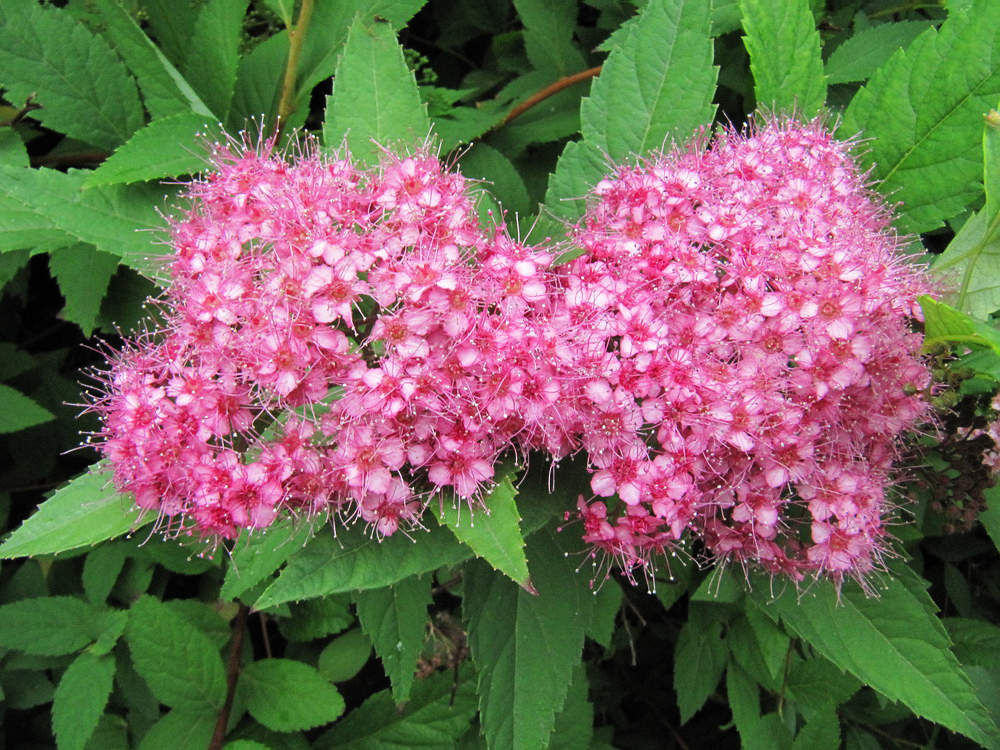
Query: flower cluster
<point x="731" y="351"/>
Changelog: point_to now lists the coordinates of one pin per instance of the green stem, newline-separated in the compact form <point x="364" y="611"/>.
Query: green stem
<point x="296" y="38"/>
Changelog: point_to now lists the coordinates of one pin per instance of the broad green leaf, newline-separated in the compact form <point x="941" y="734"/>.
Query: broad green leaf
<point x="607" y="605"/>
<point x="344" y="656"/>
<point x="116" y="219"/>
<point x="822" y="731"/>
<point x="548" y="34"/>
<point x="181" y="729"/>
<point x="575" y="722"/>
<point x="861" y="55"/>
<point x="288" y="696"/>
<point x="891" y="644"/>
<point x="315" y="618"/>
<point x="177" y="661"/>
<point x="353" y="560"/>
<point x="18" y="412"/>
<point x="787" y="68"/>
<point x="991" y="164"/>
<point x="434" y="718"/>
<point x="50" y="625"/>
<point x="101" y="569"/>
<point x="84" y="512"/>
<point x="375" y="95"/>
<point x="923" y="111"/>
<point x="658" y="83"/>
<point x="525" y="647"/>
<point x="700" y="658"/>
<point x="83" y="274"/>
<point x="283" y="9"/>
<point x="80" y="699"/>
<point x="744" y="702"/>
<point x="84" y="89"/>
<point x="213" y="52"/>
<point x="172" y="25"/>
<point x="168" y="147"/>
<point x="493" y="533"/>
<point x="819" y="682"/>
<point x="395" y="618"/>
<point x="254" y="557"/>
<point x="164" y="90"/>
<point x="977" y="642"/>
<point x="501" y="179"/>
<point x="12" y="150"/>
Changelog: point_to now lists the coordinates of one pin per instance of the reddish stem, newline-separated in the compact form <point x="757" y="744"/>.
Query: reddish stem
<point x="232" y="675"/>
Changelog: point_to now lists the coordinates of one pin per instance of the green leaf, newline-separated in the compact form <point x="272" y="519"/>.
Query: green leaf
<point x="772" y="641"/>
<point x="658" y="82"/>
<point x="524" y="646"/>
<point x="18" y="412"/>
<point x="84" y="89"/>
<point x="83" y="274"/>
<point x="12" y="149"/>
<point x="375" y="96"/>
<point x="84" y="512"/>
<point x="890" y="643"/>
<point x="607" y="605"/>
<point x="819" y="682"/>
<point x="700" y="658"/>
<point x="353" y="560"/>
<point x="181" y="729"/>
<point x="493" y="534"/>
<point x="821" y="731"/>
<point x="925" y="105"/>
<point x="395" y="618"/>
<point x="213" y="52"/>
<point x="548" y="35"/>
<point x="288" y="696"/>
<point x="164" y="90"/>
<point x="861" y="55"/>
<point x="49" y="625"/>
<point x="483" y="162"/>
<point x="101" y="569"/>
<point x="991" y="164"/>
<point x="977" y="642"/>
<point x="575" y="722"/>
<point x="344" y="656"/>
<point x="257" y="556"/>
<point x="744" y="702"/>
<point x="437" y="714"/>
<point x="316" y="618"/>
<point x="80" y="699"/>
<point x="168" y="147"/>
<point x="945" y="323"/>
<point x="114" y="218"/>
<point x="178" y="661"/>
<point x="785" y="60"/>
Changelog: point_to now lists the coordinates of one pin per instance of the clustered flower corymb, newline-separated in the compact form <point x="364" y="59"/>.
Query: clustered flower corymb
<point x="732" y="351"/>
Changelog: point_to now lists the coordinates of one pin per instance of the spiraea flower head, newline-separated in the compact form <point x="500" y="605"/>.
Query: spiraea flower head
<point x="732" y="352"/>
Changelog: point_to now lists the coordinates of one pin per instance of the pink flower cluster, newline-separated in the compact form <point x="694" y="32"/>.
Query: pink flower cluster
<point x="731" y="351"/>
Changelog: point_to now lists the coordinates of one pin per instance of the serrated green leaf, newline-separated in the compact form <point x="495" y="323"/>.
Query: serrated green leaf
<point x="395" y="617"/>
<point x="861" y="55"/>
<point x="925" y="105"/>
<point x="283" y="9"/>
<point x="172" y="25"/>
<point x="658" y="83"/>
<point x="168" y="147"/>
<point x="375" y="96"/>
<point x="972" y="263"/>
<point x="607" y="604"/>
<point x="23" y="689"/>
<point x="772" y="641"/>
<point x="575" y="722"/>
<point x="976" y="642"/>
<point x="177" y="661"/>
<point x="548" y="34"/>
<point x="12" y="149"/>
<point x="245" y="745"/>
<point x="80" y="699"/>
<point x="164" y="90"/>
<point x="744" y="702"/>
<point x="316" y="618"/>
<point x="436" y="715"/>
<point x="48" y="625"/>
<point x="84" y="89"/>
<point x="493" y="534"/>
<point x="819" y="682"/>
<point x="254" y="557"/>
<point x="83" y="274"/>
<point x="101" y="569"/>
<point x="181" y="729"/>
<point x="49" y="205"/>
<point x="19" y="412"/>
<point x="785" y="60"/>
<point x="307" y="700"/>
<point x="213" y="53"/>
<point x="84" y="512"/>
<point x="344" y="656"/>
<point x="353" y="560"/>
<point x="483" y="162"/>
<point x="891" y="644"/>
<point x="820" y="732"/>
<point x="700" y="659"/>
<point x="524" y="646"/>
